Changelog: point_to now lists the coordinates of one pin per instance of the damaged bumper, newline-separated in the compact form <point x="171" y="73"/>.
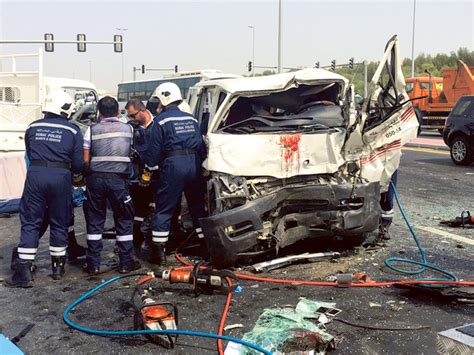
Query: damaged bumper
<point x="291" y="214"/>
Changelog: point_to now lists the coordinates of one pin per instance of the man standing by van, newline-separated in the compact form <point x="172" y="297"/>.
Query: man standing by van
<point x="107" y="147"/>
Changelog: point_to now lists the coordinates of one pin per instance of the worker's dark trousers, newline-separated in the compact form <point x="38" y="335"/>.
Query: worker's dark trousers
<point x="144" y="205"/>
<point x="178" y="174"/>
<point x="45" y="189"/>
<point x="386" y="200"/>
<point x="100" y="188"/>
<point x="70" y="228"/>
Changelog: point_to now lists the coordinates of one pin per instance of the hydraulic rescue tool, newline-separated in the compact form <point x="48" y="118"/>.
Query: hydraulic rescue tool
<point x="203" y="278"/>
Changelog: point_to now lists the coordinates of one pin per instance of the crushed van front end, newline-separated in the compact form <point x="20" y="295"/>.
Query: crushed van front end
<point x="259" y="216"/>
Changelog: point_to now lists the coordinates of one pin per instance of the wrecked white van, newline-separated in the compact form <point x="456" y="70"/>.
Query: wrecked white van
<point x="289" y="158"/>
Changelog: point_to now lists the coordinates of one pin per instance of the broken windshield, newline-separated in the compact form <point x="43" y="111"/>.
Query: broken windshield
<point x="305" y="108"/>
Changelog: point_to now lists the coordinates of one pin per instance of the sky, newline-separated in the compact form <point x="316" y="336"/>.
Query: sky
<point x="215" y="34"/>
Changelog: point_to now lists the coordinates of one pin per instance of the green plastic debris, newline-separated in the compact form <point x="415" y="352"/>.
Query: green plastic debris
<point x="286" y="330"/>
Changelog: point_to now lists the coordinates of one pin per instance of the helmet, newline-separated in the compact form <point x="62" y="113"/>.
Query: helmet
<point x="168" y="93"/>
<point x="59" y="102"/>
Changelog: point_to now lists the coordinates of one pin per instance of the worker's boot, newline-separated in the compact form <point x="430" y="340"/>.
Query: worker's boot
<point x="57" y="265"/>
<point x="74" y="250"/>
<point x="16" y="259"/>
<point x="383" y="229"/>
<point x="22" y="276"/>
<point x="157" y="254"/>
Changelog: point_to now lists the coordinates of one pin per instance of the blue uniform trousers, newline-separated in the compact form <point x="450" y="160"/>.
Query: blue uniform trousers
<point x="100" y="189"/>
<point x="178" y="174"/>
<point x="45" y="189"/>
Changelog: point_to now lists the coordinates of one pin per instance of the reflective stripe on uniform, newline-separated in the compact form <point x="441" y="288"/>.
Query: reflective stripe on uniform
<point x="27" y="250"/>
<point x="159" y="236"/>
<point x="94" y="236"/>
<point x="387" y="213"/>
<point x="112" y="135"/>
<point x="152" y="168"/>
<point x="111" y="158"/>
<point x="51" y="248"/>
<point x="57" y="253"/>
<point x="124" y="238"/>
<point x="54" y="125"/>
<point x="199" y="233"/>
<point x="27" y="256"/>
<point x="176" y="119"/>
<point x="138" y="219"/>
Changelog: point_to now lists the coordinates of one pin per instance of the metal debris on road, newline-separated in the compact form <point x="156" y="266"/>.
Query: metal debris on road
<point x="287" y="260"/>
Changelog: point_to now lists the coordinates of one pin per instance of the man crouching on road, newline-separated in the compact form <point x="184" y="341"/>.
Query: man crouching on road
<point x="177" y="148"/>
<point x="107" y="147"/>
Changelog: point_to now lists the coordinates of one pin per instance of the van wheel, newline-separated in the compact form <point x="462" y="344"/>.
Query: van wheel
<point x="461" y="151"/>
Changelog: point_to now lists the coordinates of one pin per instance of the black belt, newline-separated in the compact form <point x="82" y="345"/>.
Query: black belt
<point x="174" y="153"/>
<point x="51" y="164"/>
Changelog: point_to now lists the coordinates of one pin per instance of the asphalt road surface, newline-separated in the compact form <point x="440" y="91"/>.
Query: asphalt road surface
<point x="431" y="188"/>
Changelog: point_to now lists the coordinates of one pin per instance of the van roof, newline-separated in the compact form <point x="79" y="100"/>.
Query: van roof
<point x="276" y="81"/>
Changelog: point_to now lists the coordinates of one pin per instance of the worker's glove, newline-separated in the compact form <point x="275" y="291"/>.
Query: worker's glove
<point x="145" y="179"/>
<point x="134" y="155"/>
<point x="78" y="180"/>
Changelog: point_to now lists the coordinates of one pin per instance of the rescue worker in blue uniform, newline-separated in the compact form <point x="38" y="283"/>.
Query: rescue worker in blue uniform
<point x="107" y="147"/>
<point x="176" y="148"/>
<point x="143" y="188"/>
<point x="54" y="149"/>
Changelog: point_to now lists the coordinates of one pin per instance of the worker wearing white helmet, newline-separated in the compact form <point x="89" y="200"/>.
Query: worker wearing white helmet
<point x="54" y="150"/>
<point x="177" y="148"/>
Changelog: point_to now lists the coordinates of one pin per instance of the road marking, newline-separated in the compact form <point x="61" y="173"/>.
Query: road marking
<point x="426" y="150"/>
<point x="447" y="234"/>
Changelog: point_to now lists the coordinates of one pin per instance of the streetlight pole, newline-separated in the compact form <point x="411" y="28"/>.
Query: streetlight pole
<point x="122" y="30"/>
<point x="413" y="42"/>
<point x="253" y="49"/>
<point x="279" y="36"/>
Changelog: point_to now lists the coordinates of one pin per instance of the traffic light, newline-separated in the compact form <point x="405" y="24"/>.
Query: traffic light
<point x="81" y="42"/>
<point x="250" y="66"/>
<point x="316" y="65"/>
<point x="49" y="46"/>
<point x="351" y="63"/>
<point x="143" y="68"/>
<point x="118" y="44"/>
<point x="175" y="68"/>
<point x="333" y="65"/>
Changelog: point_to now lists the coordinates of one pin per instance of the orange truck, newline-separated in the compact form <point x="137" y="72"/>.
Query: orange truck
<point x="436" y="96"/>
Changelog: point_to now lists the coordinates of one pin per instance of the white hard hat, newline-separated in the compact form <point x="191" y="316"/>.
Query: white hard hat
<point x="168" y="93"/>
<point x="59" y="102"/>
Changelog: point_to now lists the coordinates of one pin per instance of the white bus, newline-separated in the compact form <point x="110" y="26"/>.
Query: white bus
<point x="143" y="89"/>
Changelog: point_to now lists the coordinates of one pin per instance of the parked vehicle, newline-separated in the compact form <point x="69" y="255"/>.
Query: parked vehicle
<point x="22" y="94"/>
<point x="437" y="96"/>
<point x="289" y="158"/>
<point x="458" y="132"/>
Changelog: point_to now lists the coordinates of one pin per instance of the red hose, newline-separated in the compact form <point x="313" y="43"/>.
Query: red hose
<point x="305" y="283"/>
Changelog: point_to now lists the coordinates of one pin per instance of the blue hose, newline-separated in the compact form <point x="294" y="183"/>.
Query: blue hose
<point x="142" y="332"/>
<point x="423" y="264"/>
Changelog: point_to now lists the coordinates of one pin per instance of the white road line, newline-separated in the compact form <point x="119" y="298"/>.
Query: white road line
<point x="447" y="234"/>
